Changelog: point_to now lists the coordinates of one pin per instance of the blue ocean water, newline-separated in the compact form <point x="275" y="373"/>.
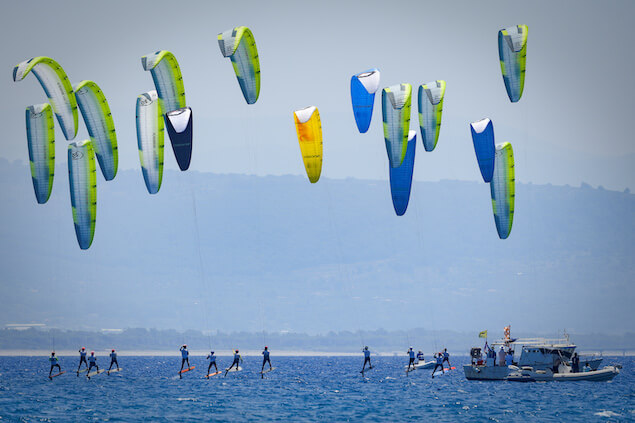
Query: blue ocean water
<point x="300" y="389"/>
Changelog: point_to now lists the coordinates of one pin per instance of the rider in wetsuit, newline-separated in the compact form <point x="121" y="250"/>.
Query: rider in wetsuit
<point x="265" y="359"/>
<point x="212" y="362"/>
<point x="92" y="362"/>
<point x="82" y="359"/>
<point x="366" y="359"/>
<point x="113" y="360"/>
<point x="185" y="358"/>
<point x="446" y="357"/>
<point x="439" y="364"/>
<point x="237" y="360"/>
<point x="54" y="363"/>
<point x="411" y="358"/>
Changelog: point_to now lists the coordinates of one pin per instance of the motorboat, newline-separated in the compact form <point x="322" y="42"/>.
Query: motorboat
<point x="564" y="374"/>
<point x="423" y="365"/>
<point x="537" y="354"/>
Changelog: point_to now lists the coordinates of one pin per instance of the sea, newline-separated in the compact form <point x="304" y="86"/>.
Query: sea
<point x="300" y="389"/>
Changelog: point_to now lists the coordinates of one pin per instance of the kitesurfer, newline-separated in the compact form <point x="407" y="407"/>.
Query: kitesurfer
<point x="265" y="359"/>
<point x="54" y="363"/>
<point x="212" y="361"/>
<point x="82" y="359"/>
<point x="439" y="364"/>
<point x="575" y="363"/>
<point x="237" y="360"/>
<point x="420" y="357"/>
<point x="411" y="360"/>
<point x="113" y="360"/>
<point x="92" y="361"/>
<point x="366" y="359"/>
<point x="185" y="357"/>
<point x="446" y="356"/>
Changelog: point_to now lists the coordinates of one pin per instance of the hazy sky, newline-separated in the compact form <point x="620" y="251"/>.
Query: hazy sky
<point x="571" y="125"/>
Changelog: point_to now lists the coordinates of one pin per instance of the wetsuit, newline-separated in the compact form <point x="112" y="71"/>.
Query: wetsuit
<point x="82" y="359"/>
<point x="411" y="361"/>
<point x="185" y="358"/>
<point x="54" y="363"/>
<point x="113" y="360"/>
<point x="438" y="365"/>
<point x="265" y="359"/>
<point x="367" y="360"/>
<point x="212" y="362"/>
<point x="235" y="362"/>
<point x="446" y="357"/>
<point x="92" y="362"/>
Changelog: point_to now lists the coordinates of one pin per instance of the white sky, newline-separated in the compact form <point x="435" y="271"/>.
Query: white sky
<point x="571" y="125"/>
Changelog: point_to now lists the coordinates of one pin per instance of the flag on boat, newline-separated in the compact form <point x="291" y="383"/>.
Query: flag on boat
<point x="482" y="334"/>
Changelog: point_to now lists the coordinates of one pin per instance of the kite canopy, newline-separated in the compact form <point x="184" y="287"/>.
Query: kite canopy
<point x="168" y="81"/>
<point x="101" y="128"/>
<point x="240" y="46"/>
<point x="503" y="189"/>
<point x="483" y="139"/>
<point x="150" y="134"/>
<point x="40" y="133"/>
<point x="430" y="109"/>
<point x="401" y="177"/>
<point x="512" y="51"/>
<point x="179" y="124"/>
<point x="83" y="186"/>
<point x="309" y="129"/>
<point x="395" y="102"/>
<point x="363" y="88"/>
<point x="57" y="87"/>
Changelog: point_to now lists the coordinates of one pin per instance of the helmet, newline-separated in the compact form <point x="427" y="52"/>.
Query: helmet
<point x="92" y="352"/>
<point x="212" y="352"/>
<point x="366" y="347"/>
<point x="266" y="347"/>
<point x="113" y="350"/>
<point x="83" y="348"/>
<point x="236" y="350"/>
<point x="52" y="352"/>
<point x="185" y="345"/>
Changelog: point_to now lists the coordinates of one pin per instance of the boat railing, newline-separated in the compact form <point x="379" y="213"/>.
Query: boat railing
<point x="534" y="342"/>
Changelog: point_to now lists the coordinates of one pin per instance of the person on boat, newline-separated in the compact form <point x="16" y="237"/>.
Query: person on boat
<point x="439" y="364"/>
<point x="501" y="356"/>
<point x="185" y="357"/>
<point x="586" y="368"/>
<point x="575" y="363"/>
<point x="92" y="361"/>
<point x="54" y="363"/>
<point x="420" y="357"/>
<point x="265" y="359"/>
<point x="509" y="357"/>
<point x="446" y="356"/>
<point x="82" y="359"/>
<point x="411" y="356"/>
<point x="212" y="362"/>
<point x="237" y="360"/>
<point x="113" y="360"/>
<point x="366" y="359"/>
